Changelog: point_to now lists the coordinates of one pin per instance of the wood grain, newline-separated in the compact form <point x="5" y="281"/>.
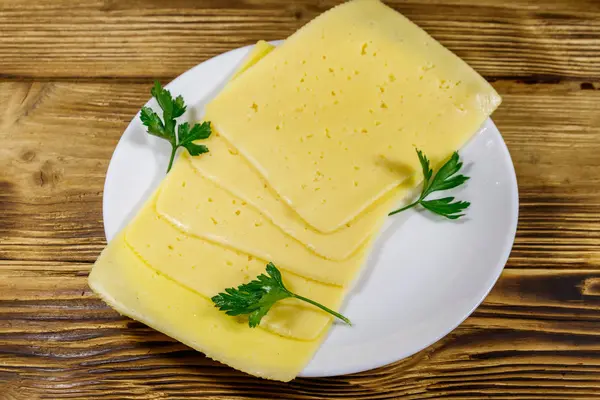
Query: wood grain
<point x="536" y="328"/>
<point x="150" y="39"/>
<point x="73" y="74"/>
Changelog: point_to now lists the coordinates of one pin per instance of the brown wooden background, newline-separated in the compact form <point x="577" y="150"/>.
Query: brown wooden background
<point x="73" y="74"/>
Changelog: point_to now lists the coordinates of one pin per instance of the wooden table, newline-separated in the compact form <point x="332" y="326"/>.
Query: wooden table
<point x="73" y="74"/>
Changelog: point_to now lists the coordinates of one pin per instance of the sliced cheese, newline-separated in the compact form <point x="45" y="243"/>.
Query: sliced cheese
<point x="331" y="118"/>
<point x="231" y="171"/>
<point x="208" y="269"/>
<point x="199" y="207"/>
<point x="123" y="281"/>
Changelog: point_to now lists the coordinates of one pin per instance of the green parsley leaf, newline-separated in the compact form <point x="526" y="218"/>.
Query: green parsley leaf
<point x="179" y="107"/>
<point x="445" y="207"/>
<point x="153" y="123"/>
<point x="256" y="297"/>
<point x="200" y="131"/>
<point x="444" y="179"/>
<point x="187" y="137"/>
<point x="195" y="149"/>
<point x="165" y="128"/>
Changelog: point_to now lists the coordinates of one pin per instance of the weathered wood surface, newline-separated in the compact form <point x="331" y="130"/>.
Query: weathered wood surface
<point x="72" y="75"/>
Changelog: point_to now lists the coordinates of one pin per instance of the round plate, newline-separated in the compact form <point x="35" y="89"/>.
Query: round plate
<point x="425" y="274"/>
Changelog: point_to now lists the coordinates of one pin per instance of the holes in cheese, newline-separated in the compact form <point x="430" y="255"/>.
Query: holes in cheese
<point x="123" y="281"/>
<point x="415" y="107"/>
<point x="208" y="268"/>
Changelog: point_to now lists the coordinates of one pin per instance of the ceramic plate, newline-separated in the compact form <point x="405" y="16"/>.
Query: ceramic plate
<point x="424" y="276"/>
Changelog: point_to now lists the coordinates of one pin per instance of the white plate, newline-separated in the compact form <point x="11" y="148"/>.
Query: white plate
<point x="425" y="274"/>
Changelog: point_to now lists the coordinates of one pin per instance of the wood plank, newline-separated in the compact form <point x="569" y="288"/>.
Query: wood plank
<point x="61" y="39"/>
<point x="538" y="324"/>
<point x="553" y="134"/>
<point x="59" y="137"/>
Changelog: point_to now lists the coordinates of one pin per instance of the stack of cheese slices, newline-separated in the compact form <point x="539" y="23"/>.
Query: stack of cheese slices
<point x="314" y="144"/>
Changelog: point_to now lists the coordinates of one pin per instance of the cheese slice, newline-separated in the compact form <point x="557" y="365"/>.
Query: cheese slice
<point x="231" y="171"/>
<point x="199" y="207"/>
<point x="123" y="281"/>
<point x="332" y="117"/>
<point x="208" y="269"/>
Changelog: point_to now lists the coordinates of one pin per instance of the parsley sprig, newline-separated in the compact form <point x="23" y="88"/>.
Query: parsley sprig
<point x="444" y="179"/>
<point x="165" y="128"/>
<point x="256" y="297"/>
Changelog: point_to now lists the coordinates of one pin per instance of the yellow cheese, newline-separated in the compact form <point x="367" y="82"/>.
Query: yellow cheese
<point x="123" y="281"/>
<point x="208" y="269"/>
<point x="229" y="170"/>
<point x="331" y="118"/>
<point x="257" y="53"/>
<point x="198" y="207"/>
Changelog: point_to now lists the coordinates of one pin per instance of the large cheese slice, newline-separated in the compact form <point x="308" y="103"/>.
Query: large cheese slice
<point x="122" y="280"/>
<point x="199" y="207"/>
<point x="208" y="269"/>
<point x="231" y="171"/>
<point x="331" y="118"/>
